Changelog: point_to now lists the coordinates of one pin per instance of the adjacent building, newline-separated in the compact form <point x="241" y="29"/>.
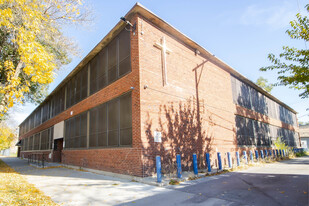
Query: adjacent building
<point x="148" y="90"/>
<point x="304" y="136"/>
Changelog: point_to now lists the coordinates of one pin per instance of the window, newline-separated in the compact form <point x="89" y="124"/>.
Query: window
<point x="126" y="120"/>
<point x="98" y="126"/>
<point x="111" y="62"/>
<point x="76" y="131"/>
<point x="250" y="98"/>
<point x="46" y="113"/>
<point x="30" y="143"/>
<point x="124" y="52"/>
<point x="26" y="143"/>
<point x="46" y="139"/>
<point x="36" y="141"/>
<point x="98" y="71"/>
<point x="77" y="87"/>
<point x="111" y="123"/>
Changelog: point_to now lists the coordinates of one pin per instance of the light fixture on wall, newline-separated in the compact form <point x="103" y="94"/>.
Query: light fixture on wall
<point x="129" y="23"/>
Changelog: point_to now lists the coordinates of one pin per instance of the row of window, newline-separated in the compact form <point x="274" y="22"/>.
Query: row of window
<point x="250" y="132"/>
<point x="39" y="141"/>
<point x="110" y="125"/>
<point x="110" y="64"/>
<point x="250" y="98"/>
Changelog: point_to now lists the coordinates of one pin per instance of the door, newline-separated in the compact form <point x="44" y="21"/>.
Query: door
<point x="58" y="146"/>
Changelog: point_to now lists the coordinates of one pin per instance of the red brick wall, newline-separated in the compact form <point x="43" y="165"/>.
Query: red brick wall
<point x="194" y="112"/>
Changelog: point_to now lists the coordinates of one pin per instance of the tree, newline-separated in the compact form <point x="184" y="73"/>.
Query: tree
<point x="32" y="46"/>
<point x="280" y="144"/>
<point x="292" y="65"/>
<point x="262" y="82"/>
<point x="7" y="136"/>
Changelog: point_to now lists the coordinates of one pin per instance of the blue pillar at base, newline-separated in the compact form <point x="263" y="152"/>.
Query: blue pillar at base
<point x="277" y="152"/>
<point x="179" y="170"/>
<point x="237" y="158"/>
<point x="283" y="153"/>
<point x="270" y="153"/>
<point x="280" y="152"/>
<point x="266" y="155"/>
<point x="158" y="166"/>
<point x="208" y="162"/>
<point x="257" y="155"/>
<point x="229" y="159"/>
<point x="251" y="156"/>
<point x="245" y="157"/>
<point x="219" y="161"/>
<point x="195" y="164"/>
<point x="262" y="154"/>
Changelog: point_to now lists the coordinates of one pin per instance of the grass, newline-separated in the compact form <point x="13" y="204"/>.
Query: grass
<point x="301" y="154"/>
<point x="15" y="190"/>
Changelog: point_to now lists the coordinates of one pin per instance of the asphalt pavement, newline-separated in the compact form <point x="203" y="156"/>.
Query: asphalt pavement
<point x="281" y="183"/>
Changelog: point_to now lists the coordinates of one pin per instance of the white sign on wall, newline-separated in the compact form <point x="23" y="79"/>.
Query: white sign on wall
<point x="59" y="130"/>
<point x="304" y="144"/>
<point x="157" y="136"/>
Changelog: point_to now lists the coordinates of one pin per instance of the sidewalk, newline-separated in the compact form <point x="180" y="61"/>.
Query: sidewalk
<point x="73" y="187"/>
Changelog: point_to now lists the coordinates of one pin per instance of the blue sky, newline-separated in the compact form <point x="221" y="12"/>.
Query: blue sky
<point x="241" y="33"/>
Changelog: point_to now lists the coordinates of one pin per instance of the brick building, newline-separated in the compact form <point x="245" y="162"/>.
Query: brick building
<point x="148" y="90"/>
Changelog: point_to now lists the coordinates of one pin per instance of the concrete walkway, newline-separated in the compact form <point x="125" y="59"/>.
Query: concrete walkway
<point x="283" y="183"/>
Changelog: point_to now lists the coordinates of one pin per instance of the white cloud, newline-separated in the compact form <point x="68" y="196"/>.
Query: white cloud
<point x="277" y="16"/>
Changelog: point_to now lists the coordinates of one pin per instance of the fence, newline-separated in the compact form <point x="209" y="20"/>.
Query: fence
<point x="259" y="155"/>
<point x="37" y="158"/>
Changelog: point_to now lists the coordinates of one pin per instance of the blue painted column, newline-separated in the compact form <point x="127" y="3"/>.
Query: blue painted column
<point x="245" y="157"/>
<point x="280" y="152"/>
<point x="237" y="158"/>
<point x="251" y="156"/>
<point x="158" y="165"/>
<point x="219" y="161"/>
<point x="277" y="153"/>
<point x="257" y="155"/>
<point x="274" y="153"/>
<point x="208" y="162"/>
<point x="266" y="155"/>
<point x="262" y="154"/>
<point x="283" y="153"/>
<point x="270" y="155"/>
<point x="229" y="159"/>
<point x="195" y="164"/>
<point x="178" y="161"/>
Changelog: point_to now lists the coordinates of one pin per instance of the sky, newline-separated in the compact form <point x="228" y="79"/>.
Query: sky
<point x="240" y="33"/>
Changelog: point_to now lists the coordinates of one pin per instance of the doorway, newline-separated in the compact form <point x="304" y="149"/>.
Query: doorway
<point x="58" y="146"/>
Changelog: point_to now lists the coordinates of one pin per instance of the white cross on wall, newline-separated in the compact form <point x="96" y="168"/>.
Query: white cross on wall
<point x="164" y="51"/>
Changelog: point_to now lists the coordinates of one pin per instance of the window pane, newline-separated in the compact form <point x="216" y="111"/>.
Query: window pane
<point x="84" y="82"/>
<point x="124" y="52"/>
<point x="113" y="122"/>
<point x="124" y="44"/>
<point x="126" y="136"/>
<point x="93" y="127"/>
<point x="77" y="88"/>
<point x="124" y="66"/>
<point x="113" y="138"/>
<point x="102" y="125"/>
<point x="83" y="132"/>
<point x="93" y="74"/>
<point x="112" y="61"/>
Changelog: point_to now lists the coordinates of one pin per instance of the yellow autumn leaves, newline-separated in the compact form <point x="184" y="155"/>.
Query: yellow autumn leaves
<point x="7" y="136"/>
<point x="30" y="29"/>
<point x="15" y="190"/>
